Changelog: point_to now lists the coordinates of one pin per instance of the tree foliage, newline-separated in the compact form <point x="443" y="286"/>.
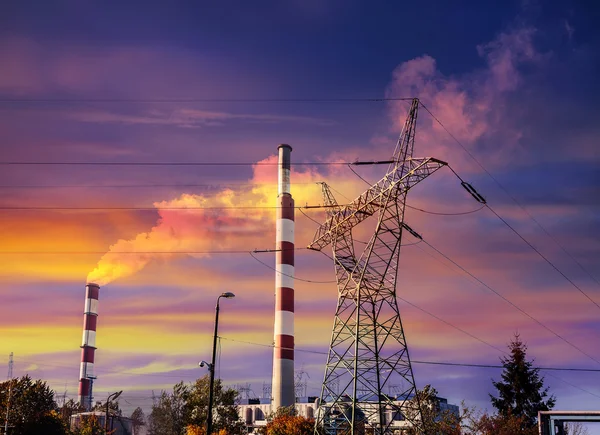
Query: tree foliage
<point x="285" y="421"/>
<point x="186" y="409"/>
<point x="31" y="408"/>
<point x="504" y="425"/>
<point x="138" y="419"/>
<point x="521" y="391"/>
<point x="90" y="425"/>
<point x="225" y="412"/>
<point x="290" y="425"/>
<point x="168" y="413"/>
<point x="69" y="408"/>
<point x="433" y="419"/>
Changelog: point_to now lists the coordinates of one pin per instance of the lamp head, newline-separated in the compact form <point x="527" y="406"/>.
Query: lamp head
<point x="228" y="295"/>
<point x="117" y="394"/>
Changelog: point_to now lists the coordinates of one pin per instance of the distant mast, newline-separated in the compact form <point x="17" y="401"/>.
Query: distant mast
<point x="283" y="392"/>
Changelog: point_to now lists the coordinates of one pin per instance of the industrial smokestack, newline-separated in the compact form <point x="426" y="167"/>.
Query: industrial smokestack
<point x="283" y="353"/>
<point x="88" y="345"/>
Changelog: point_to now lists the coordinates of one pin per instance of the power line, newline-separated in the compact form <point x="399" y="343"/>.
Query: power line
<point x="477" y="338"/>
<point x="484" y="203"/>
<point x="256" y="251"/>
<point x="512" y="198"/>
<point x="449" y="324"/>
<point x="203" y="100"/>
<point x="443" y="363"/>
<point x="89" y="163"/>
<point x="543" y="256"/>
<point x="451" y="364"/>
<point x="512" y="303"/>
<point x="39" y="163"/>
<point x="102" y="186"/>
<point x="290" y="276"/>
<point x="234" y="207"/>
<point x="438" y="213"/>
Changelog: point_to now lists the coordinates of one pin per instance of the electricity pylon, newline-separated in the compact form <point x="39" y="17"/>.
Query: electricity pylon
<point x="368" y="348"/>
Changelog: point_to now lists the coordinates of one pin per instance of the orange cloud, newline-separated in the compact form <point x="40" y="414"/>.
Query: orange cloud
<point x="230" y="219"/>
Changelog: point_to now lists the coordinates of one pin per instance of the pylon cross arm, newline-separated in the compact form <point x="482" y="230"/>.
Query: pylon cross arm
<point x="398" y="181"/>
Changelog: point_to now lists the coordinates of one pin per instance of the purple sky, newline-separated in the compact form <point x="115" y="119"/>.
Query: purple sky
<point x="515" y="84"/>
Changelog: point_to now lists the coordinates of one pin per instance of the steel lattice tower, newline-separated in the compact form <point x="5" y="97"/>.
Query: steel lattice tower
<point x="368" y="350"/>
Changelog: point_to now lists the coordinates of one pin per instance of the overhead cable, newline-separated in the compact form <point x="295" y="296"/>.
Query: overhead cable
<point x="512" y="303"/>
<point x="511" y="196"/>
<point x="203" y="100"/>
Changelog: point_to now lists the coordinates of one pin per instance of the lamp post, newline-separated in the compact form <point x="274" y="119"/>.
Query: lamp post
<point x="114" y="396"/>
<point x="211" y="366"/>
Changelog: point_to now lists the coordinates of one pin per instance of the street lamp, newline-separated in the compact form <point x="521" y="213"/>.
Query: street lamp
<point x="113" y="396"/>
<point x="211" y="366"/>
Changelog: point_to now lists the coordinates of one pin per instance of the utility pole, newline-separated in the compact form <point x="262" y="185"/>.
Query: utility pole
<point x="368" y="349"/>
<point x="112" y="396"/>
<point x="209" y="418"/>
<point x="9" y="377"/>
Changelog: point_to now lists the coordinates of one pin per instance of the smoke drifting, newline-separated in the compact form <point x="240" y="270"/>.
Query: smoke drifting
<point x="471" y="106"/>
<point x="189" y="229"/>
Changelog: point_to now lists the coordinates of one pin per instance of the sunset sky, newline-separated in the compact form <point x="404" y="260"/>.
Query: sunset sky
<point x="84" y="83"/>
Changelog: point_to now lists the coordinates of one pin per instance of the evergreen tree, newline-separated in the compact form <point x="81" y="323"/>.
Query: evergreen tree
<point x="521" y="391"/>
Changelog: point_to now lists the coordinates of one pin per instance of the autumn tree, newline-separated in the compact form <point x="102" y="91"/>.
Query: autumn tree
<point x="285" y="421"/>
<point x="425" y="408"/>
<point x="32" y="408"/>
<point x="521" y="391"/>
<point x="69" y="408"/>
<point x="186" y="409"/>
<point x="225" y="411"/>
<point x="504" y="425"/>
<point x="90" y="425"/>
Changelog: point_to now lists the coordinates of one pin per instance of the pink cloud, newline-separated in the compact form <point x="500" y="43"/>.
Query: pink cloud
<point x="471" y="106"/>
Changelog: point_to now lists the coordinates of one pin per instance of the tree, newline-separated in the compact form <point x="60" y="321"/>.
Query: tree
<point x="32" y="408"/>
<point x="285" y="421"/>
<point x="186" y="409"/>
<point x="225" y="411"/>
<point x="69" y="408"/>
<point x="576" y="428"/>
<point x="504" y="425"/>
<point x="290" y="425"/>
<point x="433" y="419"/>
<point x="521" y="391"/>
<point x="168" y="414"/>
<point x="90" y="425"/>
<point x="138" y="419"/>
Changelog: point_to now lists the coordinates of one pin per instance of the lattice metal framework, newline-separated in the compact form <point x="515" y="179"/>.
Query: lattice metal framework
<point x="368" y="350"/>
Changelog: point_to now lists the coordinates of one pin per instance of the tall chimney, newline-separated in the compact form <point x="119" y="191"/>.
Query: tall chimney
<point x="88" y="345"/>
<point x="283" y="353"/>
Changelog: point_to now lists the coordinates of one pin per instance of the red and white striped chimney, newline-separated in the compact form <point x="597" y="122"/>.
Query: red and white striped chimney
<point x="283" y="353"/>
<point x="88" y="345"/>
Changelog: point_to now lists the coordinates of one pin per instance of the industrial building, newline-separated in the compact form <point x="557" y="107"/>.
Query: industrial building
<point x="254" y="412"/>
<point x="120" y="425"/>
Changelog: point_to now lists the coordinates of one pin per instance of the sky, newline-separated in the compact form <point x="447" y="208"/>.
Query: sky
<point x="88" y="86"/>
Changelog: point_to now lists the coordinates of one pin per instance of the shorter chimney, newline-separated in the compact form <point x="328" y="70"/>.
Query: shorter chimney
<point x="88" y="345"/>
